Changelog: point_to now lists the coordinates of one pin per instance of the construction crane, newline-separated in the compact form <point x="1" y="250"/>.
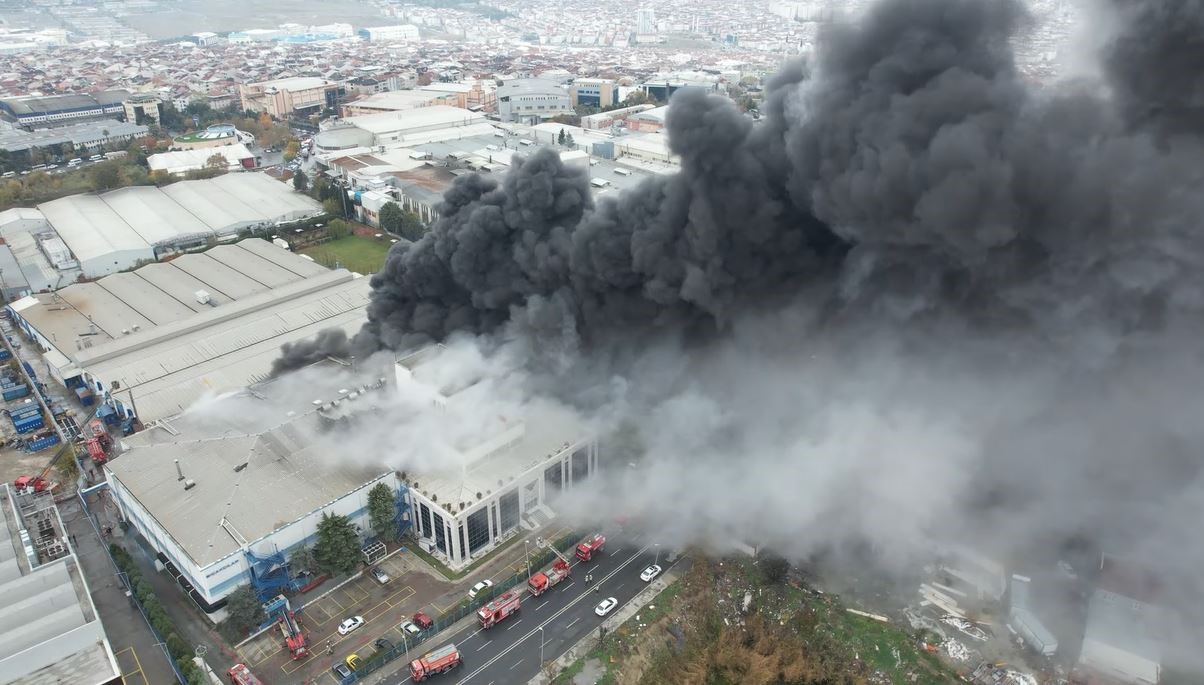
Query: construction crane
<point x="38" y="483"/>
<point x="294" y="636"/>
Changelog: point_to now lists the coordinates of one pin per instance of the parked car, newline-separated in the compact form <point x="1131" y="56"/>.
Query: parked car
<point x="606" y="606"/>
<point x="341" y="671"/>
<point x="380" y="576"/>
<point x="650" y="573"/>
<point x="479" y="588"/>
<point x="350" y="624"/>
<point x="423" y="621"/>
<point x="410" y="629"/>
<point x="354" y="662"/>
<point x="383" y="644"/>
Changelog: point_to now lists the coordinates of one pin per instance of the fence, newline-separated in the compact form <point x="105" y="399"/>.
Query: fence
<point x="465" y="608"/>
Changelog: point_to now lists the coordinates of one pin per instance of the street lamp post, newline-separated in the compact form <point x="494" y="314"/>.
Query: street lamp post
<point x="657" y="545"/>
<point x="405" y="643"/>
<point x="527" y="555"/>
<point x="541" y="647"/>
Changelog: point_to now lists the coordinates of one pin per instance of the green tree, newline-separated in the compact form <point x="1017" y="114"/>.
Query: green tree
<point x="217" y="162"/>
<point x="337" y="228"/>
<point x="291" y="150"/>
<point x="300" y="181"/>
<point x="332" y="206"/>
<point x="412" y="227"/>
<point x="302" y="561"/>
<point x="381" y="511"/>
<point x="105" y="176"/>
<point x="338" y="548"/>
<point x="569" y="142"/>
<point x="560" y="138"/>
<point x="391" y="218"/>
<point x="243" y="610"/>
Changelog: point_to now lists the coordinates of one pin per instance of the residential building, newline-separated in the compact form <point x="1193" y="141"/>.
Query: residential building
<point x="390" y="34"/>
<point x="594" y="92"/>
<point x="282" y="98"/>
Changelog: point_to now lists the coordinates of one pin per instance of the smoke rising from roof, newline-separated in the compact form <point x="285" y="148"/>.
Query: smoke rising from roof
<point x="922" y="299"/>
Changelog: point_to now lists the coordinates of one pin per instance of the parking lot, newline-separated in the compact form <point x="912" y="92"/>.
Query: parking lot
<point x="383" y="607"/>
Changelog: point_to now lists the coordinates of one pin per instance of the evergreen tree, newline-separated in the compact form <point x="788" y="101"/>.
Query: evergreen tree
<point x="338" y="548"/>
<point x="382" y="511"/>
<point x="300" y="181"/>
<point x="243" y="609"/>
<point x="391" y="219"/>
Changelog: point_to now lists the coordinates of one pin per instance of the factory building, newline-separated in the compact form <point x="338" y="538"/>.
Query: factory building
<point x="56" y="110"/>
<point x="1126" y="627"/>
<point x="153" y="341"/>
<point x="594" y="92"/>
<point x="257" y="470"/>
<point x="121" y="229"/>
<point x="50" y="631"/>
<point x="530" y="100"/>
<point x="389" y="101"/>
<point x="177" y="162"/>
<point x="389" y="34"/>
<point x="282" y="98"/>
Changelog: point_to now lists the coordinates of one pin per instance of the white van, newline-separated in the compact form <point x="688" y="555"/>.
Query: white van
<point x="622" y="172"/>
<point x="75" y="162"/>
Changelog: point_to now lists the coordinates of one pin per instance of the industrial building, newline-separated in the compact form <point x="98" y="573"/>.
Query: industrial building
<point x="50" y="631"/>
<point x="1126" y="626"/>
<point x="57" y="110"/>
<point x="530" y="100"/>
<point x="390" y="34"/>
<point x="594" y="92"/>
<point x="155" y="340"/>
<point x="123" y="228"/>
<point x="90" y="136"/>
<point x="256" y="470"/>
<point x="282" y="98"/>
<point x="237" y="157"/>
<point x="389" y="101"/>
<point x="37" y="251"/>
<point x="402" y="128"/>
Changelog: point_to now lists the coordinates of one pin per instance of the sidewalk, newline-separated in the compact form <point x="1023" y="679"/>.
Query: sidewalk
<point x="142" y="661"/>
<point x="617" y="619"/>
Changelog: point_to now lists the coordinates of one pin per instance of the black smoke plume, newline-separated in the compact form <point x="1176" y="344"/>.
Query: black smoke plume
<point x="916" y="262"/>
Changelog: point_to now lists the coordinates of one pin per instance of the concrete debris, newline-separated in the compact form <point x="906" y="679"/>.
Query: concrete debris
<point x="876" y="617"/>
<point x="966" y="627"/>
<point x="956" y="650"/>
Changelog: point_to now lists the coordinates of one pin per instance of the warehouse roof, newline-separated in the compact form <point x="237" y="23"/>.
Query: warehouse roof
<point x="228" y="347"/>
<point x="395" y="99"/>
<point x="180" y="161"/>
<point x="84" y="315"/>
<point x="295" y="83"/>
<point x="46" y="603"/>
<point x="288" y="472"/>
<point x="437" y="116"/>
<point x="34" y="106"/>
<point x="139" y="218"/>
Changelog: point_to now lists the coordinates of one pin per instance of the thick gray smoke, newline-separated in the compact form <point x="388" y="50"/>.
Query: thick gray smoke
<point x="921" y="300"/>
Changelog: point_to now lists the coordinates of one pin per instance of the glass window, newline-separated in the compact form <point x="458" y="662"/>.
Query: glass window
<point x="508" y="506"/>
<point x="478" y="530"/>
<point x="552" y="478"/>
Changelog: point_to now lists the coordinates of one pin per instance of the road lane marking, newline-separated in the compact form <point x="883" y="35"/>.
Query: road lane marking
<point x="544" y="604"/>
<point x="515" y="623"/>
<point x="553" y="617"/>
<point x="484" y="645"/>
<point x="574" y="622"/>
<point x="516" y="663"/>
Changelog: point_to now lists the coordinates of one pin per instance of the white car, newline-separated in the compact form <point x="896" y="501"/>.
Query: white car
<point x="410" y="629"/>
<point x="650" y="573"/>
<point x="380" y="576"/>
<point x="606" y="606"/>
<point x="350" y="624"/>
<point x="479" y="588"/>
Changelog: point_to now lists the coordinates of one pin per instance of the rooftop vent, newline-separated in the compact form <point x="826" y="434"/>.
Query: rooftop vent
<point x="316" y="403"/>
<point x="137" y="327"/>
<point x="189" y="484"/>
<point x="240" y="467"/>
<point x="202" y="297"/>
<point x="125" y="331"/>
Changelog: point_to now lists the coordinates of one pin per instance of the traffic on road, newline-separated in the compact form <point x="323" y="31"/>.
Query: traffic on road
<point x="535" y="628"/>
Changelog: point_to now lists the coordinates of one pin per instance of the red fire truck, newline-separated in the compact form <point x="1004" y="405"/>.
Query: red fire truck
<point x="294" y="635"/>
<point x="546" y="580"/>
<point x="241" y="675"/>
<point x="592" y="546"/>
<point x="497" y="610"/>
<point x="443" y="659"/>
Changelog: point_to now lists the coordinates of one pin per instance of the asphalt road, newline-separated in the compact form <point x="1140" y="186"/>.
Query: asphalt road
<point x="510" y="652"/>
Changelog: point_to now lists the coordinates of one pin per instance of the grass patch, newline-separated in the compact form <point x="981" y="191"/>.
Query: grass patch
<point x="355" y="253"/>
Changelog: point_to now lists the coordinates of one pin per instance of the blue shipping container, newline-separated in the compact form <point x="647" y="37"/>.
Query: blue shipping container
<point x="15" y="392"/>
<point x="5" y="354"/>
<point x="29" y="425"/>
<point x="29" y="369"/>
<point x="42" y="443"/>
<point x="24" y="410"/>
